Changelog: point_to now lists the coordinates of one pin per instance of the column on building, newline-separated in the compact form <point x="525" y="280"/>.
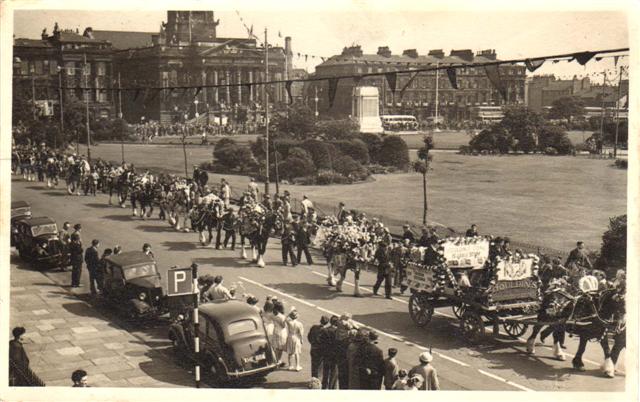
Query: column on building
<point x="251" y="89"/>
<point x="239" y="75"/>
<point x="227" y="82"/>
<point x="215" y="90"/>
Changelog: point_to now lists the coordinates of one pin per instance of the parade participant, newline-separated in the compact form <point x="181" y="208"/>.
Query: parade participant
<point x="80" y="379"/>
<point x="306" y="207"/>
<point x="424" y="237"/>
<point x="427" y="371"/>
<point x="390" y="368"/>
<point x="225" y="192"/>
<point x="407" y="233"/>
<point x="253" y="188"/>
<point x="548" y="272"/>
<point x="314" y="338"/>
<point x="286" y="208"/>
<point x="506" y="248"/>
<point x="18" y="356"/>
<point x="75" y="257"/>
<point x="218" y="291"/>
<point x="146" y="248"/>
<point x="472" y="231"/>
<point x="266" y="202"/>
<point x="370" y="360"/>
<point x="117" y="250"/>
<point x="342" y="213"/>
<point x="384" y="270"/>
<point x="229" y="225"/>
<point x="92" y="260"/>
<point x="279" y="334"/>
<point x="287" y="240"/>
<point x="401" y="382"/>
<point x="303" y="240"/>
<point x="579" y="256"/>
<point x="295" y="331"/>
<point x="329" y="359"/>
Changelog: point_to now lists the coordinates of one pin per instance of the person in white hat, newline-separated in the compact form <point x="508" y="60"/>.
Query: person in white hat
<point x="427" y="371"/>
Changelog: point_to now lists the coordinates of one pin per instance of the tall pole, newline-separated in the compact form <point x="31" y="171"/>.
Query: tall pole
<point x="604" y="84"/>
<point x="61" y="107"/>
<point x="88" y="94"/>
<point x="615" y="141"/>
<point x="266" y="108"/>
<point x="196" y="324"/>
<point x="33" y="94"/>
<point x="120" y="114"/>
<point x="437" y="88"/>
<point x="315" y="87"/>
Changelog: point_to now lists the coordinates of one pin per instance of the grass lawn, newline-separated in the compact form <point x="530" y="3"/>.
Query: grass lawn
<point x="541" y="200"/>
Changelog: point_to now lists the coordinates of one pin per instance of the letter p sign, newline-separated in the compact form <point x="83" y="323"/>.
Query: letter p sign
<point x="180" y="282"/>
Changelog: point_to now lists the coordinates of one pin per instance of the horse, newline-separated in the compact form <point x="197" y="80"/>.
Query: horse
<point x="588" y="315"/>
<point x="206" y="217"/>
<point x="257" y="228"/>
<point x="75" y="176"/>
<point x="177" y="204"/>
<point x="53" y="172"/>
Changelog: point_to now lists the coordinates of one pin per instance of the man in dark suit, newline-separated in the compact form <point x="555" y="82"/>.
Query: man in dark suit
<point x="303" y="239"/>
<point x="18" y="356"/>
<point x="382" y="256"/>
<point x="371" y="364"/>
<point x="92" y="259"/>
<point x="75" y="257"/>
<point x="579" y="256"/>
<point x="315" y="340"/>
<point x="472" y="231"/>
<point x="329" y="342"/>
<point x="408" y="234"/>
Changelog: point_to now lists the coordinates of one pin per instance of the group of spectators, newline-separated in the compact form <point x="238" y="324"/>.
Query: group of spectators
<point x="147" y="131"/>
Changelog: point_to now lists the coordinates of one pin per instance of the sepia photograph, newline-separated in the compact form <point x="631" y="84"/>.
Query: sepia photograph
<point x="212" y="198"/>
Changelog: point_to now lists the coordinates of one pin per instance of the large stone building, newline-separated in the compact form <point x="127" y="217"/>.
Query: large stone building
<point x="64" y="59"/>
<point x="187" y="51"/>
<point x="474" y="88"/>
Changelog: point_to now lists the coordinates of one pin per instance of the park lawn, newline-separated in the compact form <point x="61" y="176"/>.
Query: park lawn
<point x="536" y="199"/>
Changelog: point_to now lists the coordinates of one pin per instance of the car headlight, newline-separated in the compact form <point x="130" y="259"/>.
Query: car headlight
<point x="142" y="296"/>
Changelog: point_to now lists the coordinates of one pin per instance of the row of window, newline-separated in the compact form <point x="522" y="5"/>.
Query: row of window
<point x="50" y="67"/>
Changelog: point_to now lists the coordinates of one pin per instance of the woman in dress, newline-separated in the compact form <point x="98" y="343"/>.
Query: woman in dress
<point x="267" y="318"/>
<point x="294" y="340"/>
<point x="279" y="334"/>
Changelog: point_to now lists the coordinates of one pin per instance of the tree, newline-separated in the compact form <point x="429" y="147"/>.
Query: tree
<point x="395" y="152"/>
<point x="422" y="166"/>
<point x="336" y="129"/>
<point x="298" y="164"/>
<point x="298" y="123"/>
<point x="347" y="166"/>
<point x="555" y="137"/>
<point x="524" y="126"/>
<point x="567" y="108"/>
<point x="374" y="145"/>
<point x="354" y="148"/>
<point x="613" y="253"/>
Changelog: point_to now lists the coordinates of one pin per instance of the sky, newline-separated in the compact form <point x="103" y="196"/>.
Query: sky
<point x="324" y="32"/>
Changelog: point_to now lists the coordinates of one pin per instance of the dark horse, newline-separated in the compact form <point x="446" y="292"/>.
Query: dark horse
<point x="206" y="217"/>
<point x="258" y="229"/>
<point x="589" y="316"/>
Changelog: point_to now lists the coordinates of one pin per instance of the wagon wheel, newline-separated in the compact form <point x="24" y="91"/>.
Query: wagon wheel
<point x="515" y="329"/>
<point x="472" y="326"/>
<point x="458" y="309"/>
<point x="420" y="309"/>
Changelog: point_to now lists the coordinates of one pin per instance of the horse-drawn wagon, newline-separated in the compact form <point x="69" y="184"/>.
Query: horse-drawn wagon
<point x="481" y="290"/>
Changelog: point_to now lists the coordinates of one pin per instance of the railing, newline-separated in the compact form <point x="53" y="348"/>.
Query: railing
<point x="21" y="376"/>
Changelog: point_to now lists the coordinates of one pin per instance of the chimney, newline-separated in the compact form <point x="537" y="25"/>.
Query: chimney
<point x="488" y="54"/>
<point x="288" y="56"/>
<point x="384" y="51"/>
<point x="88" y="33"/>
<point x="437" y="53"/>
<point x="354" y="50"/>
<point x="465" y="54"/>
<point x="413" y="53"/>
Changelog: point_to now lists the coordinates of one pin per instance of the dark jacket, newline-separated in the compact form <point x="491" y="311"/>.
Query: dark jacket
<point x="303" y="237"/>
<point x="91" y="257"/>
<point x="315" y="336"/>
<point x="371" y="363"/>
<point x="75" y="253"/>
<point x="329" y="342"/>
<point x="18" y="354"/>
<point x="408" y="234"/>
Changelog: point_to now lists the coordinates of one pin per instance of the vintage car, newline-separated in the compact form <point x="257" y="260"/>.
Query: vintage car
<point x="131" y="283"/>
<point x="233" y="341"/>
<point x="19" y="210"/>
<point x="37" y="242"/>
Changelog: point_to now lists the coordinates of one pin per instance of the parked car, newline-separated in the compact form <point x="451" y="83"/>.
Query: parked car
<point x="37" y="242"/>
<point x="131" y="283"/>
<point x="233" y="341"/>
<point x="19" y="210"/>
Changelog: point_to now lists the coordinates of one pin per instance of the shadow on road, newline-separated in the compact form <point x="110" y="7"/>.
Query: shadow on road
<point x="55" y="193"/>
<point x="99" y="205"/>
<point x="309" y="291"/>
<point x="180" y="245"/>
<point x="156" y="229"/>
<point x="121" y="218"/>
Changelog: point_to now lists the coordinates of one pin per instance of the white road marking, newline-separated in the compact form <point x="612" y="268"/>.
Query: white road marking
<point x="393" y="337"/>
<point x="566" y="353"/>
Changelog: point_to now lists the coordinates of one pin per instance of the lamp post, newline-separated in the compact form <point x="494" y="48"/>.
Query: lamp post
<point x="88" y="94"/>
<point x="61" y="107"/>
<point x="184" y="148"/>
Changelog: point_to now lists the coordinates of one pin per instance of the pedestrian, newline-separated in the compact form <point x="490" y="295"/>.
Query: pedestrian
<point x="413" y="383"/>
<point x="102" y="265"/>
<point x="218" y="291"/>
<point x="384" y="270"/>
<point x="427" y="371"/>
<point x="75" y="257"/>
<point x="371" y="363"/>
<point x="401" y="381"/>
<point x="344" y="326"/>
<point x="356" y="337"/>
<point x="253" y="188"/>
<point x="303" y="240"/>
<point x="77" y="228"/>
<point x="146" y="248"/>
<point x="314" y="383"/>
<point x="80" y="379"/>
<point x="472" y="231"/>
<point x="18" y="359"/>
<point x="64" y="235"/>
<point x="287" y="240"/>
<point x="315" y="341"/>
<point x="390" y="368"/>
<point x="92" y="260"/>
<point x="329" y="364"/>
<point x="279" y="334"/>
<point x="295" y="331"/>
<point x="267" y="319"/>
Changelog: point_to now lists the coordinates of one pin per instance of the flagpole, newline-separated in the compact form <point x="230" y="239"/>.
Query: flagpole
<point x="266" y="109"/>
<point x="604" y="84"/>
<point x="615" y="142"/>
<point x="436" y="118"/>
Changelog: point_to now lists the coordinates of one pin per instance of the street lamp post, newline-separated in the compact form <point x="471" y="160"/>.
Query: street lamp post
<point x="184" y="148"/>
<point x="88" y="94"/>
<point x="61" y="107"/>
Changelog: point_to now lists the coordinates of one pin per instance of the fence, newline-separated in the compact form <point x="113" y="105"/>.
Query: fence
<point x="21" y="376"/>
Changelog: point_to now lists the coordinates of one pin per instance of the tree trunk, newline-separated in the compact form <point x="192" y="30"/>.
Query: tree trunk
<point x="184" y="150"/>
<point x="424" y="198"/>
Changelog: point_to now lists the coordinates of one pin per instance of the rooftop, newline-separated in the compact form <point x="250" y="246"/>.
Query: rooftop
<point x="125" y="39"/>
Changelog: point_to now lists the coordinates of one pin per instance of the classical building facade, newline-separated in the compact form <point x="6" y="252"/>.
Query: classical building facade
<point x="187" y="52"/>
<point x="474" y="88"/>
<point x="65" y="59"/>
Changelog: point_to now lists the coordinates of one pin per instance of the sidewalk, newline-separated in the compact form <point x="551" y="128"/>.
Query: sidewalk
<point x="65" y="333"/>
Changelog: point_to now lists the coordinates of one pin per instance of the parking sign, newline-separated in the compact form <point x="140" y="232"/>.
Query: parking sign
<point x="180" y="282"/>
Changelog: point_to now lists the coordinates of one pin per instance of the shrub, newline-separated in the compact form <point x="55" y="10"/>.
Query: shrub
<point x="550" y="151"/>
<point x="346" y="165"/>
<point x="284" y="145"/>
<point x="379" y="169"/>
<point x="374" y="145"/>
<point x="583" y="147"/>
<point x="622" y="163"/>
<point x="356" y="149"/>
<point x="225" y="142"/>
<point x="296" y="166"/>
<point x="555" y="137"/>
<point x="613" y="253"/>
<point x="297" y="152"/>
<point x="464" y="149"/>
<point x="320" y="152"/>
<point x="492" y="138"/>
<point x="336" y="129"/>
<point x="327" y="177"/>
<point x="235" y="157"/>
<point x="394" y="152"/>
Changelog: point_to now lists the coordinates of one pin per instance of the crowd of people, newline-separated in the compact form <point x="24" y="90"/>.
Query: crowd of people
<point x="148" y="131"/>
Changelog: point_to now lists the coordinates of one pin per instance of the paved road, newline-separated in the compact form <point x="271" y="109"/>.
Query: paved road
<point x="497" y="364"/>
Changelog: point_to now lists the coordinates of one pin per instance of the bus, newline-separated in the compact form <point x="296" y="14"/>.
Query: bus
<point x="399" y="123"/>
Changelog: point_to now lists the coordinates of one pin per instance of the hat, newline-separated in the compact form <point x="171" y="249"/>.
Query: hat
<point x="425" y="357"/>
<point x="77" y="226"/>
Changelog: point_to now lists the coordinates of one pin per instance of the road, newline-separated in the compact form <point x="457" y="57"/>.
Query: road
<point x="497" y="364"/>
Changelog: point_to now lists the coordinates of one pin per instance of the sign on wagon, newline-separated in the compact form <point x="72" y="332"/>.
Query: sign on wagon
<point x="466" y="253"/>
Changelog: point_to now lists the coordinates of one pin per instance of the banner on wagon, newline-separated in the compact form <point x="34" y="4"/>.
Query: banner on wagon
<point x="467" y="254"/>
<point x="514" y="270"/>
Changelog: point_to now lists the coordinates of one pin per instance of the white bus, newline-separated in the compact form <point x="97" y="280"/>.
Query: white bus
<point x="399" y="123"/>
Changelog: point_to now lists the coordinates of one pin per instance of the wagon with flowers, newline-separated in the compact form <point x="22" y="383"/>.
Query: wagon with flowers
<point x="481" y="286"/>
